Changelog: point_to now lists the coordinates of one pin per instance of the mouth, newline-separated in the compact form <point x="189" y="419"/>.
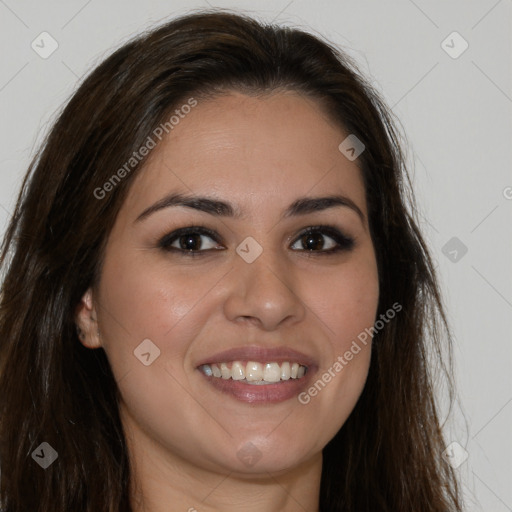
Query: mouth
<point x="254" y="372"/>
<point x="257" y="375"/>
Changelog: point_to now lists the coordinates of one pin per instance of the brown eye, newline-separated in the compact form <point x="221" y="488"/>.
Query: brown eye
<point x="313" y="241"/>
<point x="323" y="239"/>
<point x="190" y="240"/>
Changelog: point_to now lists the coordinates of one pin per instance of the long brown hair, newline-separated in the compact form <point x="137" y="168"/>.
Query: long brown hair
<point x="386" y="457"/>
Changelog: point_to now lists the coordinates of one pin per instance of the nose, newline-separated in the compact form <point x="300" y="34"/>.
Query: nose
<point x="264" y="293"/>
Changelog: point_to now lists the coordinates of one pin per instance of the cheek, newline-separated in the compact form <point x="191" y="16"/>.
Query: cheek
<point x="139" y="302"/>
<point x="346" y="300"/>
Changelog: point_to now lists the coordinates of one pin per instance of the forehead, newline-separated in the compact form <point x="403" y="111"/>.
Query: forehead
<point x="250" y="149"/>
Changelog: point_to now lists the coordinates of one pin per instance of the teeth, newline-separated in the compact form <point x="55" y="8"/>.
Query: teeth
<point x="254" y="372"/>
<point x="285" y="371"/>
<point x="272" y="372"/>
<point x="237" y="371"/>
<point x="225" y="371"/>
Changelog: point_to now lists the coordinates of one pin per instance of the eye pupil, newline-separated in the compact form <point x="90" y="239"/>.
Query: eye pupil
<point x="190" y="242"/>
<point x="313" y="241"/>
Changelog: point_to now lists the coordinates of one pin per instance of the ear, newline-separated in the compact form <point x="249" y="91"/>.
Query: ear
<point x="86" y="320"/>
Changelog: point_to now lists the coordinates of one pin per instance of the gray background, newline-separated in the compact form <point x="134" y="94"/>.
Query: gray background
<point x="456" y="113"/>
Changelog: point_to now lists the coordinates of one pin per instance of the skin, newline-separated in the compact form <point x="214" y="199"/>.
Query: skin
<point x="260" y="154"/>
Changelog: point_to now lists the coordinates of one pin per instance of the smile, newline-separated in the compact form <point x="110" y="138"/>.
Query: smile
<point x="258" y="375"/>
<point x="254" y="372"/>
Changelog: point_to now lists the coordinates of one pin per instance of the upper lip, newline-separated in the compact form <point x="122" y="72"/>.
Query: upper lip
<point x="260" y="354"/>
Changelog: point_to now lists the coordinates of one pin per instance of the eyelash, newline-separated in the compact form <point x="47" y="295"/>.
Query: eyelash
<point x="344" y="243"/>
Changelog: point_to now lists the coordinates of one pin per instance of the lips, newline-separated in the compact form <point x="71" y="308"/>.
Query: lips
<point x="259" y="386"/>
<point x="263" y="355"/>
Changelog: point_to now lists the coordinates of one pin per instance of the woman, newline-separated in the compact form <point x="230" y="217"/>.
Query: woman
<point x="215" y="296"/>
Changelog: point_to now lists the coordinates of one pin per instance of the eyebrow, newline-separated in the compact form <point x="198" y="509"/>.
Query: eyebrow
<point x="301" y="206"/>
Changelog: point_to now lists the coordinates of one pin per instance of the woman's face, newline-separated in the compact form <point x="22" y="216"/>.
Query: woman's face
<point x="246" y="178"/>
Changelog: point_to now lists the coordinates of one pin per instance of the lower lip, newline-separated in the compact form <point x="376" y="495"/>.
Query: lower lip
<point x="266" y="393"/>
